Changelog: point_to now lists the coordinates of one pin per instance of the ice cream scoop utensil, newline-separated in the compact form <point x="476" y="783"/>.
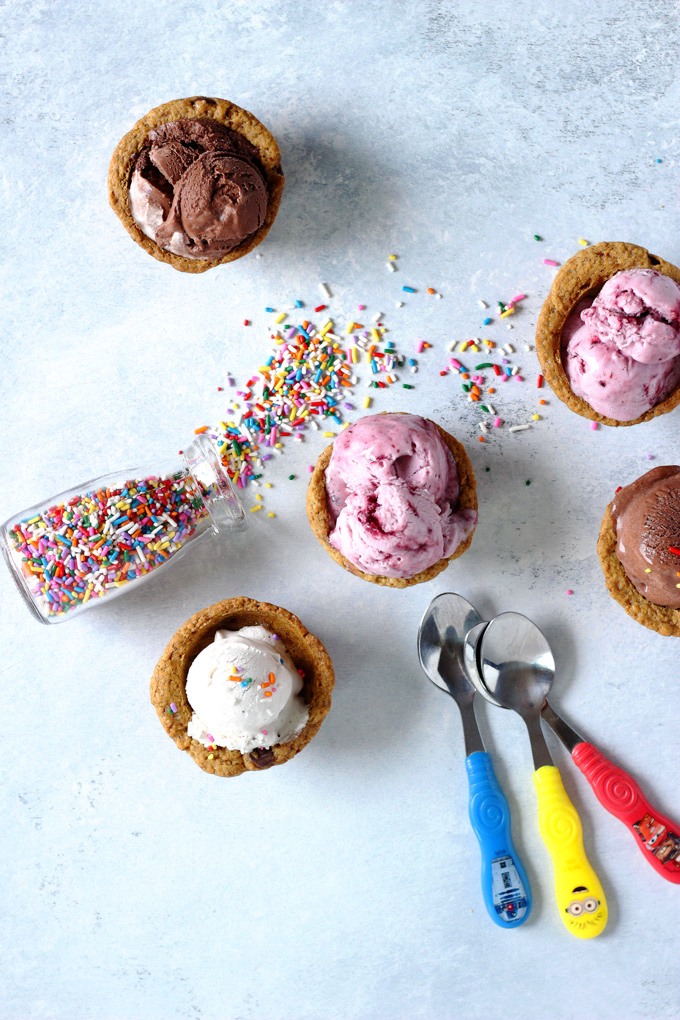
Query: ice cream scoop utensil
<point x="657" y="837"/>
<point x="516" y="667"/>
<point x="505" y="887"/>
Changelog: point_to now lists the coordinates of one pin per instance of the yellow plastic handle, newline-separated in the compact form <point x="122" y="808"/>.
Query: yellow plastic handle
<point x="580" y="898"/>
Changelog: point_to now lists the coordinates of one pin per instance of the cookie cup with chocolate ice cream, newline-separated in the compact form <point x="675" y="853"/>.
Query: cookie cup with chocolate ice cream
<point x="197" y="182"/>
<point x="394" y="499"/>
<point x="289" y="640"/>
<point x="626" y="385"/>
<point x="639" y="549"/>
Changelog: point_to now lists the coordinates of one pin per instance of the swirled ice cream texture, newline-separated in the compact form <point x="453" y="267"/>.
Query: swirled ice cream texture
<point x="244" y="690"/>
<point x="392" y="492"/>
<point x="624" y="357"/>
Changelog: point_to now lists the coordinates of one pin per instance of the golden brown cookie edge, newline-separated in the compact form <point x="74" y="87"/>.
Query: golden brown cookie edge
<point x="662" y="619"/>
<point x="319" y="519"/>
<point x="168" y="682"/>
<point x="232" y="116"/>
<point x="586" y="271"/>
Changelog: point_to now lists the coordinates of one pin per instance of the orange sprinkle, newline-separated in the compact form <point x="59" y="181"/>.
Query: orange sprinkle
<point x="492" y="389"/>
<point x="235" y="678"/>
<point x="465" y="375"/>
<point x="541" y="401"/>
<point x="267" y="694"/>
<point x="431" y="290"/>
<point x="272" y="678"/>
<point x="197" y="432"/>
<point x="473" y="396"/>
<point x="481" y="439"/>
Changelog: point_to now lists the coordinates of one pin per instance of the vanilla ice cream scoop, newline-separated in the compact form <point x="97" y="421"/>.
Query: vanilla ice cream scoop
<point x="244" y="690"/>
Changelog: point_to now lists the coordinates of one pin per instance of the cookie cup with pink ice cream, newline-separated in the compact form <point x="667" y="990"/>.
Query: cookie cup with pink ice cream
<point x="608" y="336"/>
<point x="393" y="500"/>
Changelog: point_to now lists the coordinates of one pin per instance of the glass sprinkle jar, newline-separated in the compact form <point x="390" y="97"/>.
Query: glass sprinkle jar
<point x="109" y="535"/>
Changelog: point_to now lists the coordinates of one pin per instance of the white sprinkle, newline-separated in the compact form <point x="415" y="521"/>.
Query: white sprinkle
<point x="325" y="290"/>
<point x="400" y="304"/>
<point x="483" y="426"/>
<point x="391" y="266"/>
<point x="451" y="346"/>
<point x="509" y="349"/>
<point x="482" y="304"/>
<point x="492" y="410"/>
<point x="377" y="317"/>
<point x="519" y="428"/>
<point x="258" y="256"/>
<point x="527" y="347"/>
<point x="514" y="370"/>
<point x="509" y="326"/>
<point x="332" y="336"/>
<point x="414" y="368"/>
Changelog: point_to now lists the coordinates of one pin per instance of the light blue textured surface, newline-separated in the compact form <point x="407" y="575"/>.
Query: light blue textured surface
<point x="343" y="886"/>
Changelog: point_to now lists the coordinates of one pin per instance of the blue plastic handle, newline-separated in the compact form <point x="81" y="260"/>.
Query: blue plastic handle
<point x="505" y="886"/>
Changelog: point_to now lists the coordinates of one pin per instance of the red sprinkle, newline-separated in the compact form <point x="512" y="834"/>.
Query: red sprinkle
<point x="246" y="322"/>
<point x="671" y="548"/>
<point x="539" y="382"/>
<point x="619" y="488"/>
<point x="320" y="308"/>
<point x="497" y="370"/>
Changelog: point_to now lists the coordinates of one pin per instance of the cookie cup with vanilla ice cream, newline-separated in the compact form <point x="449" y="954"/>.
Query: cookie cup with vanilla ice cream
<point x="393" y="500"/>
<point x="239" y="694"/>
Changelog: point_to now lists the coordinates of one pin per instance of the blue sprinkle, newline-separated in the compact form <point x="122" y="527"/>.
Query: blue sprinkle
<point x="281" y="661"/>
<point x="269" y="309"/>
<point x="658" y="160"/>
<point x="298" y="304"/>
<point x="487" y="321"/>
<point x="374" y="367"/>
<point x="411" y="361"/>
<point x="409" y="290"/>
<point x="304" y="332"/>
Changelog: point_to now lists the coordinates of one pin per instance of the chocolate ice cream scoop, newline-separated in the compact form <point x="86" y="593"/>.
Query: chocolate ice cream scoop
<point x="197" y="189"/>
<point x="647" y="519"/>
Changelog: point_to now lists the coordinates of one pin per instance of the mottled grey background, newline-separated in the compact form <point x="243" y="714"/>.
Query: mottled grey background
<point x="345" y="885"/>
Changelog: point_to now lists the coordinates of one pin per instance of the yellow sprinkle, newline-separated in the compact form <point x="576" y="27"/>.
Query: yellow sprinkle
<point x="462" y="346"/>
<point x="267" y="485"/>
<point x="583" y="242"/>
<point x="293" y="414"/>
<point x="648" y="570"/>
<point x="355" y="355"/>
<point x="281" y="317"/>
<point x="489" y="343"/>
<point x="392" y="258"/>
<point x="507" y="312"/>
<point x="475" y="348"/>
<point x="536" y="417"/>
<point x="329" y="435"/>
<point x="210" y="757"/>
<point x="350" y="328"/>
<point x="279" y="339"/>
<point x="345" y="425"/>
<point x="258" y="497"/>
<point x="326" y="328"/>
<point x="271" y="515"/>
<point x="376" y="335"/>
<point x="367" y="402"/>
<point x="277" y="446"/>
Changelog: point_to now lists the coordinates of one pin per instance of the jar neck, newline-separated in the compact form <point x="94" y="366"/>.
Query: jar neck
<point x="214" y="491"/>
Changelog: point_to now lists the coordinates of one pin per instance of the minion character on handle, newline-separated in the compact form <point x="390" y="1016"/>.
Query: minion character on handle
<point x="585" y="911"/>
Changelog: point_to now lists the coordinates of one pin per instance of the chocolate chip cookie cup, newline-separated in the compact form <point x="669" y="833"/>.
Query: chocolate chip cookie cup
<point x="322" y="522"/>
<point x="574" y="289"/>
<point x="169" y="682"/>
<point x="197" y="182"/>
<point x="639" y="549"/>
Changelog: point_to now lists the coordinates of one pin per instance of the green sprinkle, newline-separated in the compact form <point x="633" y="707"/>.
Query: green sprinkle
<point x="529" y="483"/>
<point x="467" y="386"/>
<point x="487" y="469"/>
<point x="483" y="407"/>
<point x="484" y="364"/>
<point x="406" y="386"/>
<point x="291" y="477"/>
<point x="537" y="237"/>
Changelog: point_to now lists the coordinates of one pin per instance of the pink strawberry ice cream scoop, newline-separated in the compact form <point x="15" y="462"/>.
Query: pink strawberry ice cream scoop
<point x="625" y="358"/>
<point x="392" y="491"/>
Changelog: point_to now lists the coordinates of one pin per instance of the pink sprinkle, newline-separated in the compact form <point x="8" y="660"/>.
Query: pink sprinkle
<point x="457" y="364"/>
<point x="419" y="348"/>
<point x="360" y="308"/>
<point x="173" y="706"/>
<point x="264" y="733"/>
<point x="593" y="425"/>
<point x="520" y="297"/>
<point x="210" y="738"/>
<point x="496" y="423"/>
<point x="519" y="378"/>
<point x="550" y="262"/>
<point x="569" y="591"/>
<point x="311" y="467"/>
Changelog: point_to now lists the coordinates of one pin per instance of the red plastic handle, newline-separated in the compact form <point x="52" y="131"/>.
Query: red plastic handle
<point x="657" y="837"/>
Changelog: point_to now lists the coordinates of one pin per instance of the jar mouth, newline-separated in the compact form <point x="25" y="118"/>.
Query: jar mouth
<point x="214" y="486"/>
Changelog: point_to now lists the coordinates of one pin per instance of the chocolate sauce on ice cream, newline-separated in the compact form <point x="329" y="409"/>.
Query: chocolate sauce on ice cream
<point x="647" y="519"/>
<point x="197" y="189"/>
